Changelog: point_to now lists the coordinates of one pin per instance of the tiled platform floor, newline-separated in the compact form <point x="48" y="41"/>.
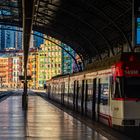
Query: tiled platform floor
<point x="42" y="121"/>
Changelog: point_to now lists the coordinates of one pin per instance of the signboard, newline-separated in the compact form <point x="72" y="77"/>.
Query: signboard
<point x="137" y="21"/>
<point x="138" y="31"/>
<point x="22" y="78"/>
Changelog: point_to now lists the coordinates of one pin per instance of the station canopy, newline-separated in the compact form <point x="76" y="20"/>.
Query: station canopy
<point x="93" y="28"/>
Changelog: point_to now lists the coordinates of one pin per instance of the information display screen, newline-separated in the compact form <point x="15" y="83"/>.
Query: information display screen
<point x="138" y="31"/>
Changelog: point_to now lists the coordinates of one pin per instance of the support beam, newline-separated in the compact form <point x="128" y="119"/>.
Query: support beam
<point x="28" y="10"/>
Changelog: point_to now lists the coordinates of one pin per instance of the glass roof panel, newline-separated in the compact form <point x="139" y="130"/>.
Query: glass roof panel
<point x="8" y="8"/>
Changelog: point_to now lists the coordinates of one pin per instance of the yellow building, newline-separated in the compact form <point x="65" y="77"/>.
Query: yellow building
<point x="42" y="54"/>
<point x="54" y="58"/>
<point x="49" y="61"/>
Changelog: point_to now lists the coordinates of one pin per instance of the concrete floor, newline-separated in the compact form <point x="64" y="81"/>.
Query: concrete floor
<point x="42" y="121"/>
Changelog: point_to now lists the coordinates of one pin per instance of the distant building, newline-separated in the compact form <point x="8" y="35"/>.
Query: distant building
<point x="42" y="64"/>
<point x="67" y="60"/>
<point x="9" y="38"/>
<point x="18" y="44"/>
<point x="10" y="72"/>
<point x="33" y="69"/>
<point x="53" y="58"/>
<point x="15" y="72"/>
<point x="49" y="61"/>
<point x="2" y="37"/>
<point x="37" y="39"/>
<point x="79" y="66"/>
<point x="13" y="39"/>
<point x="4" y="71"/>
<point x="20" y="67"/>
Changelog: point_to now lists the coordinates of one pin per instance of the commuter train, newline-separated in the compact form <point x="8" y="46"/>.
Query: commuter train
<point x="108" y="93"/>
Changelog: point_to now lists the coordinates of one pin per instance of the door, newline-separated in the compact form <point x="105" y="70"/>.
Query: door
<point x="74" y="93"/>
<point x="98" y="99"/>
<point x="94" y="100"/>
<point x="82" y="97"/>
<point x="62" y="92"/>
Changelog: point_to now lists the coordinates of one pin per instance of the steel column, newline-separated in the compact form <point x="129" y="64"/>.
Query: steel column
<point x="28" y="11"/>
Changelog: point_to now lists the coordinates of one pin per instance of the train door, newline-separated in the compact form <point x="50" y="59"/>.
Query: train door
<point x="71" y="94"/>
<point x="103" y="100"/>
<point x="94" y="100"/>
<point x="62" y="92"/>
<point x="85" y="97"/>
<point x="77" y="93"/>
<point x="48" y="90"/>
<point x="68" y="93"/>
<point x="74" y="95"/>
<point x="90" y="89"/>
<point x="65" y="92"/>
<point x="98" y="98"/>
<point x="52" y="92"/>
<point x="82" y="97"/>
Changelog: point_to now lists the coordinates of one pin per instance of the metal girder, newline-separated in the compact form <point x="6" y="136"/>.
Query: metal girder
<point x="58" y="33"/>
<point x="91" y="27"/>
<point x="101" y="25"/>
<point x="28" y="6"/>
<point x="61" y="48"/>
<point x="74" y="31"/>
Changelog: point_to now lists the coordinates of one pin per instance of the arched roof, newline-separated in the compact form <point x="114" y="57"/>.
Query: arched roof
<point x="90" y="27"/>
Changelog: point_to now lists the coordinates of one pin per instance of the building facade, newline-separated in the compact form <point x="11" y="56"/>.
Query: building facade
<point x="53" y="58"/>
<point x="10" y="38"/>
<point x="67" y="60"/>
<point x="15" y="72"/>
<point x="4" y="71"/>
<point x="37" y="39"/>
<point x="10" y="71"/>
<point x="43" y="63"/>
<point x="33" y="69"/>
<point x="49" y="61"/>
<point x="42" y="66"/>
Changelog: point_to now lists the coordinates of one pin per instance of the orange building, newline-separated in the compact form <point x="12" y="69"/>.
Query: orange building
<point x="4" y="71"/>
<point x="10" y="72"/>
<point x="33" y="69"/>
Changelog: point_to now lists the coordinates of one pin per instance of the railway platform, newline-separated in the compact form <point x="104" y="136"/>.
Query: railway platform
<point x="43" y="121"/>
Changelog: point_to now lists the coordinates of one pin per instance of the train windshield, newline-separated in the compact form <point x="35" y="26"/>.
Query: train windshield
<point x="132" y="87"/>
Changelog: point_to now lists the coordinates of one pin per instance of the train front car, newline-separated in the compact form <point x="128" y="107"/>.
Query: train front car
<point x="125" y="100"/>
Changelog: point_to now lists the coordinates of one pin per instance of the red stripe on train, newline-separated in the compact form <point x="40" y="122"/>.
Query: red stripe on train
<point x="127" y="99"/>
<point x="107" y="117"/>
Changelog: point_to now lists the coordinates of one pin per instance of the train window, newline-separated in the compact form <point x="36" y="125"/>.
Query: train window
<point x="132" y="87"/>
<point x="90" y="89"/>
<point x="118" y="88"/>
<point x="104" y="90"/>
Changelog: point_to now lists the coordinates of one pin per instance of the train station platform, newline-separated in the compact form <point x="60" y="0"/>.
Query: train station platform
<point x="42" y="121"/>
